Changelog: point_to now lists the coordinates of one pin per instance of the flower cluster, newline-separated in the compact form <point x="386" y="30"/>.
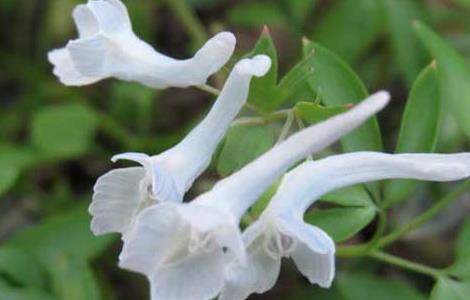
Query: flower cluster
<point x="196" y="250"/>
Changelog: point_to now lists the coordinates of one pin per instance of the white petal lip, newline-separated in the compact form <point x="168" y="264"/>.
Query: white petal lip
<point x="306" y="183"/>
<point x="257" y="276"/>
<point x="65" y="70"/>
<point x="315" y="250"/>
<point x="159" y="246"/>
<point x="196" y="277"/>
<point x="107" y="47"/>
<point x="116" y="197"/>
<point x="242" y="188"/>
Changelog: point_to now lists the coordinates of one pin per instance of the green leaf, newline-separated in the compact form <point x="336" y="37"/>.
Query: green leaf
<point x="72" y="279"/>
<point x="461" y="266"/>
<point x="254" y="14"/>
<point x="297" y="10"/>
<point x="314" y="113"/>
<point x="67" y="233"/>
<point x="453" y="73"/>
<point x="13" y="160"/>
<point x="21" y="267"/>
<point x="338" y="85"/>
<point x="409" y="53"/>
<point x="361" y="285"/>
<point x="350" y="27"/>
<point x="263" y="92"/>
<point x="64" y="131"/>
<point x="341" y="223"/>
<point x="463" y="2"/>
<point x="242" y="145"/>
<point x="419" y="128"/>
<point x="448" y="289"/>
<point x="8" y="293"/>
<point x="355" y="195"/>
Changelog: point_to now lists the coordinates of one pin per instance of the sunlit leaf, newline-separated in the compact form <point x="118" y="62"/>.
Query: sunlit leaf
<point x="242" y="145"/>
<point x="419" y="128"/>
<point x="453" y="73"/>
<point x="341" y="223"/>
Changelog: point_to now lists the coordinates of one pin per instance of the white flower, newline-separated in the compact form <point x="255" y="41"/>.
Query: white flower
<point x="107" y="47"/>
<point x="121" y="194"/>
<point x="281" y="232"/>
<point x="182" y="248"/>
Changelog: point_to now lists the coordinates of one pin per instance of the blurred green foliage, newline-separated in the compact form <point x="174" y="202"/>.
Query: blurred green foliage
<point x="55" y="140"/>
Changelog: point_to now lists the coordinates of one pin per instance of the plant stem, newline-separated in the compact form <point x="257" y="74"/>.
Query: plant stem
<point x="425" y="216"/>
<point x="406" y="264"/>
<point x="189" y="20"/>
<point x="287" y="126"/>
<point x="275" y="116"/>
<point x="209" y="89"/>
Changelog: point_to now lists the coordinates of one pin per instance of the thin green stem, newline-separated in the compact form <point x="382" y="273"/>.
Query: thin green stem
<point x="425" y="216"/>
<point x="275" y="116"/>
<point x="209" y="89"/>
<point x="406" y="264"/>
<point x="189" y="20"/>
<point x="287" y="127"/>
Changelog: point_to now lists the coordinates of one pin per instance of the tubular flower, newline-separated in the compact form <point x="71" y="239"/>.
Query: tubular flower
<point x="190" y="242"/>
<point x="121" y="194"/>
<point x="281" y="232"/>
<point x="107" y="47"/>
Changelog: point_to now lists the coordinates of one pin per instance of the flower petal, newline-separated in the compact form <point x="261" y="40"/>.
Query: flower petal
<point x="65" y="70"/>
<point x="162" y="181"/>
<point x="314" y="254"/>
<point x="89" y="55"/>
<point x="157" y="230"/>
<point x="198" y="277"/>
<point x="258" y="275"/>
<point x="116" y="198"/>
<point x="190" y="157"/>
<point x="242" y="188"/>
<point x="86" y="22"/>
<point x="111" y="15"/>
<point x="215" y="53"/>
<point x="306" y="183"/>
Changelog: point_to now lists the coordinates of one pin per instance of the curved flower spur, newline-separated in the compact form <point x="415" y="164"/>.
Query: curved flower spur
<point x="107" y="47"/>
<point x="281" y="232"/>
<point x="174" y="243"/>
<point x="121" y="194"/>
